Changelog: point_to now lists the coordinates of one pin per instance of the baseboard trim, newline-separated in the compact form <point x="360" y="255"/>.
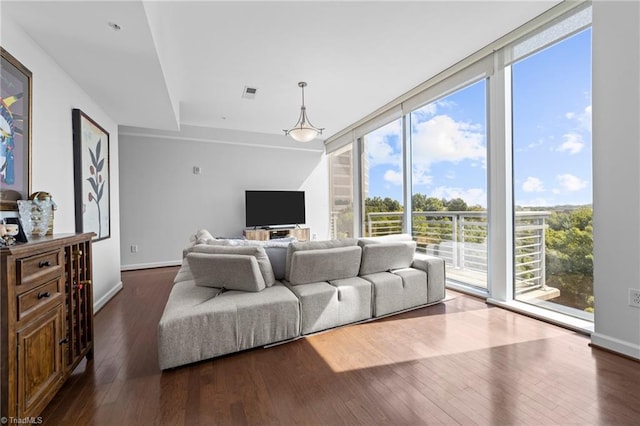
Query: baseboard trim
<point x="612" y="344"/>
<point x="99" y="304"/>
<point x="150" y="265"/>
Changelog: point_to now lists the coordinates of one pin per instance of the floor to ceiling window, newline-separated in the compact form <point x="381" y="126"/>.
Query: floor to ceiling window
<point x="553" y="241"/>
<point x="382" y="180"/>
<point x="449" y="182"/>
<point x="505" y="134"/>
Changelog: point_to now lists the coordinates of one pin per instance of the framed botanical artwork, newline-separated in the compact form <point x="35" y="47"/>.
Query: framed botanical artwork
<point x="15" y="131"/>
<point x="91" y="176"/>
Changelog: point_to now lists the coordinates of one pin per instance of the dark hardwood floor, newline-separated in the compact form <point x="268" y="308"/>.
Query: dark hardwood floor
<point x="459" y="362"/>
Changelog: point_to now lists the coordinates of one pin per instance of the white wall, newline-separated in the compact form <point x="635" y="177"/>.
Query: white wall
<point x="163" y="202"/>
<point x="55" y="94"/>
<point x="616" y="136"/>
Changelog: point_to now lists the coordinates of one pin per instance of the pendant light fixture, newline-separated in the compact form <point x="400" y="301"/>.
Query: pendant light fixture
<point x="303" y="130"/>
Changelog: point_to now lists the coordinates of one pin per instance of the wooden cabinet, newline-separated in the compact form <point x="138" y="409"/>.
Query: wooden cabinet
<point x="39" y="368"/>
<point x="301" y="234"/>
<point x="46" y="319"/>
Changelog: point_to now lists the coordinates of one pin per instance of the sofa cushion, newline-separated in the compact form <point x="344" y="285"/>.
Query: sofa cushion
<point x="315" y="245"/>
<point x="200" y="323"/>
<point x="270" y="316"/>
<point x="257" y="252"/>
<point x="436" y="273"/>
<point x="308" y="266"/>
<point x="381" y="257"/>
<point x="387" y="293"/>
<point x="184" y="274"/>
<point x="318" y="306"/>
<point x="229" y="271"/>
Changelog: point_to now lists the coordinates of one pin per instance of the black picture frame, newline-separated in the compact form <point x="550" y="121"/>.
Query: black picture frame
<point x="91" y="176"/>
<point x="21" y="237"/>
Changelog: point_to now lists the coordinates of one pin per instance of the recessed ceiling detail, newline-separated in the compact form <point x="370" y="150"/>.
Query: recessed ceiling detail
<point x="183" y="63"/>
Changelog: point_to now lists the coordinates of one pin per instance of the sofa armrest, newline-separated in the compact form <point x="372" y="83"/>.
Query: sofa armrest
<point x="436" y="275"/>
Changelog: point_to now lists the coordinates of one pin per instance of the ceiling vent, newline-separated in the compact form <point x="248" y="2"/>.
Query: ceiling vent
<point x="249" y="92"/>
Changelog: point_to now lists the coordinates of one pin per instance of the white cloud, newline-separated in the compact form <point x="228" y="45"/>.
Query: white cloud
<point x="380" y="149"/>
<point x="532" y="184"/>
<point x="583" y="119"/>
<point x="471" y="196"/>
<point x="432" y="109"/>
<point x="573" y="143"/>
<point x="420" y="176"/>
<point x="536" y="144"/>
<point x="393" y="176"/>
<point x="441" y="138"/>
<point x="570" y="182"/>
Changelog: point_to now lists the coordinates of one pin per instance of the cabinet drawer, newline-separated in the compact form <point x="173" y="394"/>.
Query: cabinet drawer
<point x="35" y="270"/>
<point x="39" y="298"/>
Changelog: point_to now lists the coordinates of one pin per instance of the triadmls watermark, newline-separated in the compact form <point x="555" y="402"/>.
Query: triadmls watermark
<point x="21" y="420"/>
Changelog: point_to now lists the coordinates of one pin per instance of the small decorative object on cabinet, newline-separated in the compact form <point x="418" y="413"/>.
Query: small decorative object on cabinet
<point x="35" y="215"/>
<point x="46" y="197"/>
<point x="46" y="319"/>
<point x="301" y="234"/>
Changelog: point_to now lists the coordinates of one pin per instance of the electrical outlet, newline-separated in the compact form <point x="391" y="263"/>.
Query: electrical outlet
<point x="634" y="297"/>
<point x="134" y="248"/>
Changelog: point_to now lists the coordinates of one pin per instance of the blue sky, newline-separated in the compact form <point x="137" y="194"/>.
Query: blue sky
<point x="551" y="136"/>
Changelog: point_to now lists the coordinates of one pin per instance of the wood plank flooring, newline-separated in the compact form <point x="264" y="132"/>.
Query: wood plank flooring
<point x="458" y="362"/>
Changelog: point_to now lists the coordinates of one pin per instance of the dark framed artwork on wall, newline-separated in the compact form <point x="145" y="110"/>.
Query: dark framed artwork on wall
<point x="15" y="131"/>
<point x="91" y="176"/>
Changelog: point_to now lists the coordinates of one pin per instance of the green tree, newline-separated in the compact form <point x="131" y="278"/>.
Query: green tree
<point x="381" y="225"/>
<point x="377" y="204"/>
<point x="422" y="203"/>
<point x="456" y="205"/>
<point x="569" y="256"/>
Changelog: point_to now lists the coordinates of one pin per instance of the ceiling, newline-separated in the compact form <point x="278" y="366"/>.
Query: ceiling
<point x="180" y="62"/>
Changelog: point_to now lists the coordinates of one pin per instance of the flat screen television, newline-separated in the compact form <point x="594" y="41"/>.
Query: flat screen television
<point x="274" y="208"/>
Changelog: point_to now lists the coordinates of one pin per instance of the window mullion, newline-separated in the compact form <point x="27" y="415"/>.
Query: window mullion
<point x="499" y="164"/>
<point x="407" y="167"/>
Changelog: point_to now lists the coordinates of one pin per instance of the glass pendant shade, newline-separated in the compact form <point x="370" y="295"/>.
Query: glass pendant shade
<point x="303" y="130"/>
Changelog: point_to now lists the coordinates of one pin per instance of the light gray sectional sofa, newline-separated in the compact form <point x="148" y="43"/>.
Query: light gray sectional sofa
<point x="232" y="295"/>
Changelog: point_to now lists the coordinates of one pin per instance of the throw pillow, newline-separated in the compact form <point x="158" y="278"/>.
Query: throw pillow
<point x="202" y="236"/>
<point x="227" y="271"/>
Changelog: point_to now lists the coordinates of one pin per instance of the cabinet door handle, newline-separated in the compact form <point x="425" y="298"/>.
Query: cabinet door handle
<point x="44" y="263"/>
<point x="64" y="341"/>
<point x="43" y="295"/>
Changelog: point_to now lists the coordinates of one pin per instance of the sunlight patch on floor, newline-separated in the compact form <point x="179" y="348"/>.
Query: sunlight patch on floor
<point x="429" y="336"/>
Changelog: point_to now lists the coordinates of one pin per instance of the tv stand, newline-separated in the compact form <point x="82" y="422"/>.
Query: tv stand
<point x="301" y="234"/>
